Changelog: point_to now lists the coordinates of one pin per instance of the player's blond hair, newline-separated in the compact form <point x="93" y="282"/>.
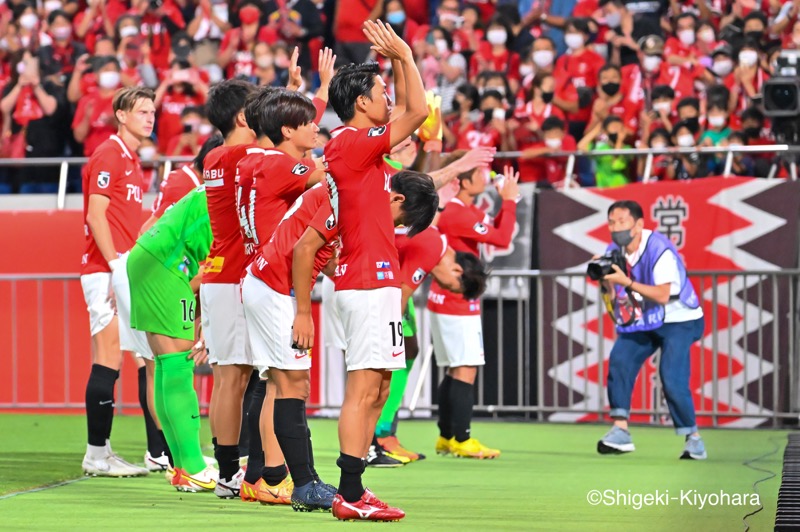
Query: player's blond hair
<point x="125" y="99"/>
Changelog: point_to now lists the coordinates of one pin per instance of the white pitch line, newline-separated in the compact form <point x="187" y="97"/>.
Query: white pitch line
<point x="43" y="488"/>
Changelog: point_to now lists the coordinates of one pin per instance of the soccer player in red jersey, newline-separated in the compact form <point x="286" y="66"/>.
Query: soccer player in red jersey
<point x="112" y="208"/>
<point x="268" y="296"/>
<point x="369" y="289"/>
<point x="222" y="314"/>
<point x="456" y="321"/>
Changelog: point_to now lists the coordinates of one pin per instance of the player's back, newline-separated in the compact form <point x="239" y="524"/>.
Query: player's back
<point x="459" y="222"/>
<point x="226" y="257"/>
<point x="173" y="187"/>
<point x="419" y="254"/>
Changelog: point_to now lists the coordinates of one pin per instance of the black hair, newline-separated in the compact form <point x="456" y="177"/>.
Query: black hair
<point x="325" y="132"/>
<point x="691" y="125"/>
<point x="503" y="21"/>
<point x="610" y="120"/>
<point x="750" y="43"/>
<point x="226" y="99"/>
<point x="491" y="93"/>
<point x="617" y="3"/>
<point x="689" y="101"/>
<point x="739" y="135"/>
<point x="552" y="122"/>
<point x="445" y="34"/>
<point x="580" y="24"/>
<point x="753" y="113"/>
<point x="756" y="14"/>
<point x="477" y="10"/>
<point x="58" y="13"/>
<point x="214" y="141"/>
<point x="350" y="82"/>
<point x="252" y="107"/>
<point x="662" y="91"/>
<point x="545" y="38"/>
<point x="474" y="276"/>
<point x="686" y="14"/>
<point x="718" y="96"/>
<point x="607" y="67"/>
<point x="278" y="109"/>
<point x="421" y="201"/>
<point x="471" y="92"/>
<point x="661" y="132"/>
<point x="193" y="110"/>
<point x="634" y="208"/>
<point x="180" y="63"/>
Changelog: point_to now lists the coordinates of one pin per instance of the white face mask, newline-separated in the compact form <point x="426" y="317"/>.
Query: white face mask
<point x="573" y="40"/>
<point x="108" y="80"/>
<point x="651" y="63"/>
<point x="441" y="45"/>
<point x="748" y="58"/>
<point x="723" y="67"/>
<point x="51" y="5"/>
<point x="706" y="35"/>
<point x="147" y="153"/>
<point x="28" y="21"/>
<point x="128" y="31"/>
<point x="525" y="70"/>
<point x="658" y="145"/>
<point x="716" y="120"/>
<point x="613" y="20"/>
<point x="449" y="17"/>
<point x="662" y="107"/>
<point x="497" y="36"/>
<point x="553" y="144"/>
<point x="205" y="129"/>
<point x="264" y="61"/>
<point x="62" y="33"/>
<point x="543" y="58"/>
<point x="686" y="36"/>
<point x="685" y="141"/>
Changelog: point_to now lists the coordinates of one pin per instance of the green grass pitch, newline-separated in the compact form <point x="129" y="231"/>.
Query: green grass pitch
<point x="540" y="482"/>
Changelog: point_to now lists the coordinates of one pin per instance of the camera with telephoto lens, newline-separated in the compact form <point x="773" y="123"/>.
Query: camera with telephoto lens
<point x="602" y="266"/>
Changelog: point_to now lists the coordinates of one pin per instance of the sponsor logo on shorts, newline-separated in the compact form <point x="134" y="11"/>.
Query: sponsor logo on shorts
<point x="395" y="355"/>
<point x="300" y="169"/>
<point x="103" y="179"/>
<point x="300" y="354"/>
<point x="480" y="228"/>
<point x="419" y="275"/>
<point x="376" y="131"/>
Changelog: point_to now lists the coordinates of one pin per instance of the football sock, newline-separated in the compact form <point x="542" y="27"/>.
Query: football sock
<point x="311" y="452"/>
<point x="228" y="460"/>
<point x="445" y="409"/>
<point x="274" y="475"/>
<point x="181" y="409"/>
<point x="214" y="444"/>
<point x="397" y="388"/>
<point x="255" y="455"/>
<point x="244" y="432"/>
<point x="154" y="442"/>
<point x="293" y="436"/>
<point x="462" y="398"/>
<point x="166" y="427"/>
<point x="100" y="403"/>
<point x="350" y="487"/>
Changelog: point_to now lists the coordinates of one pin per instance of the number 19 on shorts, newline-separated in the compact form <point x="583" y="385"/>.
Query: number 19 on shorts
<point x="397" y="333"/>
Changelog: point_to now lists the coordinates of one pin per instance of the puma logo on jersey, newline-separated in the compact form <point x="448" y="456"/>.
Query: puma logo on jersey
<point x="135" y="192"/>
<point x="376" y="131"/>
<point x="103" y="179"/>
<point x="300" y="169"/>
<point x="480" y="228"/>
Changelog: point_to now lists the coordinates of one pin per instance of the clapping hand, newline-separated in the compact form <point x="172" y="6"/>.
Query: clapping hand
<point x="385" y="41"/>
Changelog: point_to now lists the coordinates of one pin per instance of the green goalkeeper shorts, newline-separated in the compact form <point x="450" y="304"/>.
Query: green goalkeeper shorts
<point x="410" y="320"/>
<point x="162" y="302"/>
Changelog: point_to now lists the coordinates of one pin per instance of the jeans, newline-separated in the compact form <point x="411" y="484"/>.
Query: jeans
<point x="631" y="350"/>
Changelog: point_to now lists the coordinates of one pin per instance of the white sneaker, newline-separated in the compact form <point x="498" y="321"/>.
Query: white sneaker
<point x="205" y="480"/>
<point x="153" y="463"/>
<point x="111" y="466"/>
<point x="229" y="489"/>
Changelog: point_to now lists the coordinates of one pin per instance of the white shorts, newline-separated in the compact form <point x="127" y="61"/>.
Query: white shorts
<point x="457" y="340"/>
<point x="95" y="293"/>
<point x="373" y="328"/>
<point x="270" y="316"/>
<point x="129" y="339"/>
<point x="332" y="329"/>
<point x="224" y="326"/>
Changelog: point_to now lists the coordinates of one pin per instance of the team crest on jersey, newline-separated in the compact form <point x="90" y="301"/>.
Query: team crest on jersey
<point x="480" y="228"/>
<point x="376" y="131"/>
<point x="419" y="275"/>
<point x="330" y="223"/>
<point x="103" y="179"/>
<point x="299" y="169"/>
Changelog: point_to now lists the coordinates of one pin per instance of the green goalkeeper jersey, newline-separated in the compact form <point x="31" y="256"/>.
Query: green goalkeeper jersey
<point x="181" y="238"/>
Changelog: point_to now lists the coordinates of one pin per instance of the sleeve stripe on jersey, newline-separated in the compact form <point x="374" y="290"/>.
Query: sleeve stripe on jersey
<point x="213" y="183"/>
<point x="188" y="171"/>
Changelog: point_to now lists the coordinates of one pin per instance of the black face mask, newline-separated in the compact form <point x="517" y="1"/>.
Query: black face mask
<point x="754" y="35"/>
<point x="487" y="115"/>
<point x="752" y="132"/>
<point x="547" y="97"/>
<point x="613" y="137"/>
<point x="456" y="105"/>
<point x="610" y="88"/>
<point x="693" y="124"/>
<point x="622" y="238"/>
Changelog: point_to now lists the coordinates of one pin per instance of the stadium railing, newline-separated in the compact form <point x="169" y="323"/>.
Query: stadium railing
<point x="166" y="164"/>
<point x="546" y="349"/>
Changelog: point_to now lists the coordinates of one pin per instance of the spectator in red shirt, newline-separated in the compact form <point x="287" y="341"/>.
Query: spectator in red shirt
<point x="660" y="115"/>
<point x="29" y="32"/>
<point x="494" y="54"/>
<point x="94" y="120"/>
<point x="722" y="62"/>
<point x="236" y="50"/>
<point x="196" y="130"/>
<point x="465" y="111"/>
<point x="747" y="79"/>
<point x="680" y="50"/>
<point x="539" y="105"/>
<point x="351" y="44"/>
<point x="472" y="28"/>
<point x="490" y="130"/>
<point x="533" y="167"/>
<point x="97" y="20"/>
<point x="64" y="51"/>
<point x="543" y="54"/>
<point x="181" y="88"/>
<point x="159" y="21"/>
<point x="612" y="101"/>
<point x="706" y="39"/>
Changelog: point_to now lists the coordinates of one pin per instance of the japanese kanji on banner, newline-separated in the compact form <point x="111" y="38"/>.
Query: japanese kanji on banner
<point x="717" y="224"/>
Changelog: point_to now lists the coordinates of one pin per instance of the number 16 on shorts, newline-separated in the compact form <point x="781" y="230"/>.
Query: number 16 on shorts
<point x="187" y="308"/>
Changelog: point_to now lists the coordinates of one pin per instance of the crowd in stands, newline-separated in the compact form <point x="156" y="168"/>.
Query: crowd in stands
<point x="530" y="75"/>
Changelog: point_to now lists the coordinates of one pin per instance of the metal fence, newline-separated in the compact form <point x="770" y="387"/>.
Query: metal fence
<point x="546" y="349"/>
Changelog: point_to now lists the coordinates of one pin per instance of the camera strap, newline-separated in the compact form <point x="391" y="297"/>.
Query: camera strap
<point x="627" y="312"/>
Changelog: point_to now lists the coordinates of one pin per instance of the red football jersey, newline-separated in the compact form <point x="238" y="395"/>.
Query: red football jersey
<point x="466" y="227"/>
<point x="176" y="185"/>
<point x="419" y="254"/>
<point x="101" y="122"/>
<point x="170" y="125"/>
<point x="573" y="71"/>
<point x="112" y="171"/>
<point x="226" y="258"/>
<point x="268" y="181"/>
<point x="354" y="158"/>
<point x="274" y="264"/>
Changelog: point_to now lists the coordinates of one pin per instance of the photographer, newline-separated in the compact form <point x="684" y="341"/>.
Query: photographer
<point x="655" y="307"/>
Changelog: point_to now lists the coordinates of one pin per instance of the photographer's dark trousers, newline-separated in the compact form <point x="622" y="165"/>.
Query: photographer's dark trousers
<point x="631" y="350"/>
